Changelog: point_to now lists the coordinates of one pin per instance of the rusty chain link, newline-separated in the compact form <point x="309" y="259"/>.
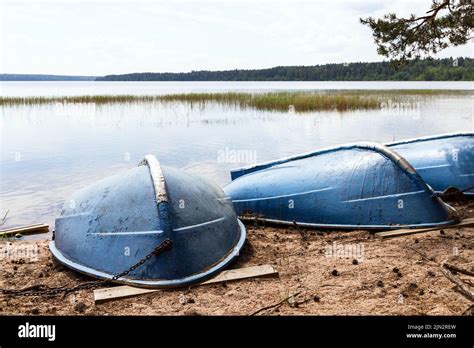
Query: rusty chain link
<point x="44" y="290"/>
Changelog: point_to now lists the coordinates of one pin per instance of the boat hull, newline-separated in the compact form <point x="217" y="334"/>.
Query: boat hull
<point x="364" y="185"/>
<point x="110" y="226"/>
<point x="442" y="161"/>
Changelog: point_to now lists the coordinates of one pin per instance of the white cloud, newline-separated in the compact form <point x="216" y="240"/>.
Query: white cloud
<point x="93" y="37"/>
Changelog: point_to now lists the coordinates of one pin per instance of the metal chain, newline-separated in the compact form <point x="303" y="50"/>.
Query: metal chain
<point x="165" y="245"/>
<point x="44" y="290"/>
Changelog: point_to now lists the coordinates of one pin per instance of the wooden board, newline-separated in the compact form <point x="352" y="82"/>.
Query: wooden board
<point x="30" y="229"/>
<point x="124" y="291"/>
<point x="407" y="231"/>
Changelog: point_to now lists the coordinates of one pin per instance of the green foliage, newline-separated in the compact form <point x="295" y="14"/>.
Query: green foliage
<point x="459" y="69"/>
<point x="447" y="23"/>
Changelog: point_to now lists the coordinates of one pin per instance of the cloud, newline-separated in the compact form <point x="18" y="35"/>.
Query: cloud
<point x="95" y="37"/>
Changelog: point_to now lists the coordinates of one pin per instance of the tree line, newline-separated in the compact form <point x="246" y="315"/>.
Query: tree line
<point x="448" y="69"/>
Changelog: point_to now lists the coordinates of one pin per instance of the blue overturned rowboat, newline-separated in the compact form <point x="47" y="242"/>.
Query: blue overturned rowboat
<point x="110" y="226"/>
<point x="363" y="185"/>
<point x="443" y="161"/>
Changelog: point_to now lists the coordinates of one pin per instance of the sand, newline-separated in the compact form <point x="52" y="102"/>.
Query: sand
<point x="371" y="276"/>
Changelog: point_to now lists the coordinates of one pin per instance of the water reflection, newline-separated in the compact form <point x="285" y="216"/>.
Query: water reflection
<point x="49" y="151"/>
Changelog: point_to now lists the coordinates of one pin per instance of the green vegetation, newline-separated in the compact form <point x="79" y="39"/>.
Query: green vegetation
<point x="311" y="102"/>
<point x="449" y="69"/>
<point x="446" y="23"/>
<point x="301" y="101"/>
<point x="96" y="99"/>
<point x="459" y="69"/>
<point x="279" y="101"/>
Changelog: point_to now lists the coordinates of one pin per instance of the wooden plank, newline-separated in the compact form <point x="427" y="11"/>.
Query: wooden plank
<point x="30" y="229"/>
<point x="117" y="292"/>
<point x="407" y="231"/>
<point x="241" y="273"/>
<point x="124" y="291"/>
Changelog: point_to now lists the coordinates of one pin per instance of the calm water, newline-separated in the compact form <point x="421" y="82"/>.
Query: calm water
<point x="49" y="151"/>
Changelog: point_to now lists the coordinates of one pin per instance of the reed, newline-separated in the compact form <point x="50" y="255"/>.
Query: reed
<point x="300" y="101"/>
<point x="95" y="99"/>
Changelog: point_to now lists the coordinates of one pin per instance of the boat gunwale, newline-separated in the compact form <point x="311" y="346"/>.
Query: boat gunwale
<point x="157" y="283"/>
<point x="349" y="227"/>
<point x="365" y="144"/>
<point x="431" y="137"/>
<point x="370" y="146"/>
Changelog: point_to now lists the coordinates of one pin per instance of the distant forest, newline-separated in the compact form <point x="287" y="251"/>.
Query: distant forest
<point x="449" y="69"/>
<point x="36" y="77"/>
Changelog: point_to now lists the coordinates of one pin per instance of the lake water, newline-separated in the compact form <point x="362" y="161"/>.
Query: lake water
<point x="49" y="151"/>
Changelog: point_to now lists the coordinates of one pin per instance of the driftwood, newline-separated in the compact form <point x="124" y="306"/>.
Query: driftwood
<point x="460" y="285"/>
<point x="30" y="229"/>
<point x="458" y="269"/>
<point x="276" y="305"/>
<point x="295" y="304"/>
<point x="469" y="310"/>
<point x="407" y="231"/>
<point x="422" y="254"/>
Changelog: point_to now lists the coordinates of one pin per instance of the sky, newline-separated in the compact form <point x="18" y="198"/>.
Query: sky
<point x="99" y="37"/>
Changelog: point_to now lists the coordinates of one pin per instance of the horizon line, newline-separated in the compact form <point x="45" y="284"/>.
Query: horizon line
<point x="210" y="70"/>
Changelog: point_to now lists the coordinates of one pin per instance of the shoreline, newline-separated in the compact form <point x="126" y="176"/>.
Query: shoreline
<point x="396" y="276"/>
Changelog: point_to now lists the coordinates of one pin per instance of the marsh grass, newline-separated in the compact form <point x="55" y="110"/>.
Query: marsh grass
<point x="83" y="99"/>
<point x="299" y="101"/>
<point x="312" y="102"/>
<point x="402" y="92"/>
<point x="278" y="101"/>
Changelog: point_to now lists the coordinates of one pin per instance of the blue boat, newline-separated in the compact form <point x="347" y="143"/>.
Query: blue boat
<point x="108" y="227"/>
<point x="443" y="161"/>
<point x="362" y="185"/>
